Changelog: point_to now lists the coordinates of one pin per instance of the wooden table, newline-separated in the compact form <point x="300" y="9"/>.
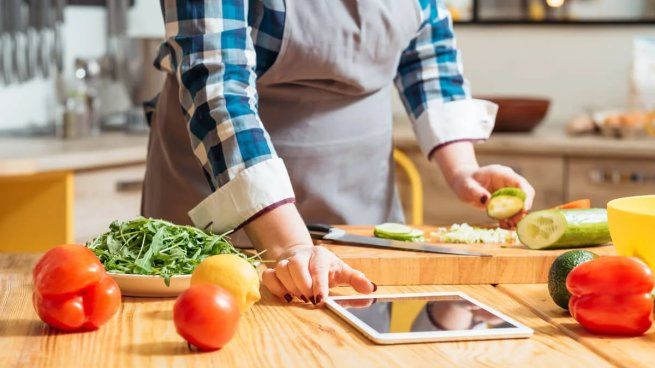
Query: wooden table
<point x="274" y="334"/>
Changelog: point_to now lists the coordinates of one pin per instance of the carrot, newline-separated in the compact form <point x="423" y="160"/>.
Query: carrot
<point x="580" y="203"/>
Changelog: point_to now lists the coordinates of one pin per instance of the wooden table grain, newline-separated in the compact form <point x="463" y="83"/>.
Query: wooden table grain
<point x="631" y="352"/>
<point x="271" y="334"/>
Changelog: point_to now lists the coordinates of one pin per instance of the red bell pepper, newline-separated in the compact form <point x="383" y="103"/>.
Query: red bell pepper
<point x="72" y="290"/>
<point x="612" y="295"/>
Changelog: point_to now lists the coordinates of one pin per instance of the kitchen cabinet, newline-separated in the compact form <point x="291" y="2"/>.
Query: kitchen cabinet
<point x="604" y="180"/>
<point x="105" y="195"/>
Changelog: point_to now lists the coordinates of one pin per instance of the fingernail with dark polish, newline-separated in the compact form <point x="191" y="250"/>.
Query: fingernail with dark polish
<point x="375" y="286"/>
<point x="288" y="298"/>
<point x="304" y="298"/>
<point x="318" y="299"/>
<point x="312" y="299"/>
<point x="484" y="199"/>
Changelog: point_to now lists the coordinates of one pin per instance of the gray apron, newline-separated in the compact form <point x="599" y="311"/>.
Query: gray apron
<point x="326" y="105"/>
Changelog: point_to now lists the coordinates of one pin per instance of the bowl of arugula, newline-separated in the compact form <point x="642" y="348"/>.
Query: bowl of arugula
<point x="155" y="258"/>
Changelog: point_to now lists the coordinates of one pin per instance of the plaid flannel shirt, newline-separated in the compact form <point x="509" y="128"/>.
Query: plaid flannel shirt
<point x="217" y="49"/>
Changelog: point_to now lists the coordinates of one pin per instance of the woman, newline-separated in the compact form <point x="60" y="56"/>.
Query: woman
<point x="286" y="104"/>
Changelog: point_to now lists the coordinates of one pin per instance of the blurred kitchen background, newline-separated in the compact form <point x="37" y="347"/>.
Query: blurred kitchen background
<point x="575" y="80"/>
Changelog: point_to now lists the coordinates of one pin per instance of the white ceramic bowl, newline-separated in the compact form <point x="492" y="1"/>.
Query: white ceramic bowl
<point x="150" y="286"/>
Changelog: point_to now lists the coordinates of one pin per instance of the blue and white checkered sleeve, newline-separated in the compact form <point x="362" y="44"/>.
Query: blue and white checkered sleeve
<point x="214" y="59"/>
<point x="433" y="89"/>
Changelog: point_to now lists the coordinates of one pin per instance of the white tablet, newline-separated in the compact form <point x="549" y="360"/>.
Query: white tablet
<point x="424" y="317"/>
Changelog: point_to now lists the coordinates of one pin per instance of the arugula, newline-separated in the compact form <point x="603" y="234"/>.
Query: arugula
<point x="146" y="246"/>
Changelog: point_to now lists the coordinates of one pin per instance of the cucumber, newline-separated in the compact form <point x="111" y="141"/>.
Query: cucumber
<point x="505" y="203"/>
<point x="398" y="232"/>
<point x="557" y="229"/>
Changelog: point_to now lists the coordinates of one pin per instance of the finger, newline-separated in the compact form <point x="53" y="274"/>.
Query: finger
<point x="475" y="194"/>
<point x="319" y="268"/>
<point x="282" y="273"/>
<point x="273" y="284"/>
<point x="346" y="275"/>
<point x="516" y="180"/>
<point x="529" y="193"/>
<point x="299" y="271"/>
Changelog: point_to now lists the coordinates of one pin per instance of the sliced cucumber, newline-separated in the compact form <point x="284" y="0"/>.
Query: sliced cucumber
<point x="393" y="229"/>
<point x="398" y="232"/>
<point x="556" y="229"/>
<point x="505" y="203"/>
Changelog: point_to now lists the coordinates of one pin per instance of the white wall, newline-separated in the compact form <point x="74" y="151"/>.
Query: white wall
<point x="578" y="67"/>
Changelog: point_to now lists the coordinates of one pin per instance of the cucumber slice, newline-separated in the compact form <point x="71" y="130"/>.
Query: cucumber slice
<point x="505" y="203"/>
<point x="398" y="232"/>
<point x="557" y="229"/>
<point x="393" y="229"/>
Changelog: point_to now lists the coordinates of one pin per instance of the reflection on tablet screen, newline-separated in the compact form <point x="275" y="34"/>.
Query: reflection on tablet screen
<point x="433" y="313"/>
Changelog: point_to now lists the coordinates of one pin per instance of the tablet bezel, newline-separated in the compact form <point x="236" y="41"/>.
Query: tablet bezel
<point x="520" y="331"/>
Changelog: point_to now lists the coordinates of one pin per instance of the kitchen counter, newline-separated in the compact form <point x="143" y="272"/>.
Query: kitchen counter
<point x="548" y="140"/>
<point x="275" y="334"/>
<point x="25" y="156"/>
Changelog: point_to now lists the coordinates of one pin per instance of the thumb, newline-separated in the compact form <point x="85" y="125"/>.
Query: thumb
<point x="474" y="193"/>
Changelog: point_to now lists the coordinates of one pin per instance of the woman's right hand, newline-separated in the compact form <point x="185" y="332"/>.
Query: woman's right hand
<point x="301" y="270"/>
<point x="308" y="273"/>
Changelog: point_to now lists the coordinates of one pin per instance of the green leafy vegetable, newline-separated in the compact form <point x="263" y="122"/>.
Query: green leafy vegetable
<point x="145" y="246"/>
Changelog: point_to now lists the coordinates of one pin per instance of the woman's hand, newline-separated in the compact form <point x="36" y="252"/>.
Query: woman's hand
<point x="303" y="270"/>
<point x="474" y="184"/>
<point x="308" y="272"/>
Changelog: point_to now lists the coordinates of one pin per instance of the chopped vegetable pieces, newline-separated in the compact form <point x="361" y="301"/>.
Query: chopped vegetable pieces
<point x="467" y="234"/>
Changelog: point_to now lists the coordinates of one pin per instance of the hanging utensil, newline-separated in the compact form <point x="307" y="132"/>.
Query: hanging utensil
<point x="9" y="50"/>
<point x="58" y="41"/>
<point x="20" y="52"/>
<point x="44" y="26"/>
<point x="32" y="39"/>
<point x="3" y="51"/>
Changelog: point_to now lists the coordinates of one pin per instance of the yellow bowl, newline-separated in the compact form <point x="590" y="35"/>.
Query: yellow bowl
<point x="632" y="227"/>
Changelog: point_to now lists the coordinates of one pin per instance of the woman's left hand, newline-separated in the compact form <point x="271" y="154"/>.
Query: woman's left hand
<point x="474" y="185"/>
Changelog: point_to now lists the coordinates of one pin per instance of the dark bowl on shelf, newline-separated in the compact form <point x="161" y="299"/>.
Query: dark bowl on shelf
<point x="518" y="114"/>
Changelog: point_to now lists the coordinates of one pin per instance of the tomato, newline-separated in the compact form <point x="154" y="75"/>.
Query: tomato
<point x="206" y="316"/>
<point x="65" y="269"/>
<point x="72" y="290"/>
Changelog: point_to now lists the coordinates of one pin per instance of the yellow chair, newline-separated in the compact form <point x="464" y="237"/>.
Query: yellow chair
<point x="416" y="185"/>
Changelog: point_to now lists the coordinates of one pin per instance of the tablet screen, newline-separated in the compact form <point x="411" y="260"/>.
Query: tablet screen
<point x="423" y="314"/>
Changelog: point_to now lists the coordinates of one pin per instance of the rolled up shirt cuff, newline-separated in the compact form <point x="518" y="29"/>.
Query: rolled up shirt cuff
<point x="252" y="192"/>
<point x="461" y="120"/>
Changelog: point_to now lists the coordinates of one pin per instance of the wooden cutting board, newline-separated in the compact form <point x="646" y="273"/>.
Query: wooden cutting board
<point x="510" y="264"/>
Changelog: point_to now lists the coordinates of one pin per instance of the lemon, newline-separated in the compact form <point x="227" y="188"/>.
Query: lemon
<point x="232" y="273"/>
